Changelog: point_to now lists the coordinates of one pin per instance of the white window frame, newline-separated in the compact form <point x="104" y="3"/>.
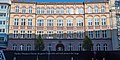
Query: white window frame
<point x="60" y="34"/>
<point x="97" y="34"/>
<point x="80" y="34"/>
<point x="52" y="11"/>
<point x="23" y="9"/>
<point x="38" y="10"/>
<point x="79" y="22"/>
<point x="89" y="10"/>
<point x="104" y="33"/>
<point x="90" y="22"/>
<point x="90" y="34"/>
<point x="29" y="34"/>
<point x="81" y="11"/>
<point x="71" y="11"/>
<point x="40" y="22"/>
<point x="69" y="34"/>
<point x="29" y="22"/>
<point x="48" y="11"/>
<point x="98" y="47"/>
<point x="104" y="21"/>
<point x="69" y="22"/>
<point x="16" y="21"/>
<point x="42" y="11"/>
<point x="30" y="9"/>
<point x="96" y="9"/>
<point x="50" y="34"/>
<point x="21" y="47"/>
<point x="23" y="21"/>
<point x="97" y="21"/>
<point x="17" y="9"/>
<point x="50" y="22"/>
<point x="60" y="22"/>
<point x="29" y="47"/>
<point x="102" y="9"/>
<point x="15" y="33"/>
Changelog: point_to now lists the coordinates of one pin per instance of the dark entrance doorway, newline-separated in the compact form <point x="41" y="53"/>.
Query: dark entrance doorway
<point x="60" y="46"/>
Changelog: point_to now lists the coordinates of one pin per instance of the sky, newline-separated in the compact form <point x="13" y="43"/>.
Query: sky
<point x="59" y="0"/>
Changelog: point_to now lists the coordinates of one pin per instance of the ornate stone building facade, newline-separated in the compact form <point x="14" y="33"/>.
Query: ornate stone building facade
<point x="63" y="26"/>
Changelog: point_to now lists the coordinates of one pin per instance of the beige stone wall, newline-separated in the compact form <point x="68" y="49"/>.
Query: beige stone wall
<point x="64" y="16"/>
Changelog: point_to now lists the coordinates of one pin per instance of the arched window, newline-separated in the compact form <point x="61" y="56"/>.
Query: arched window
<point x="49" y="47"/>
<point x="67" y="10"/>
<point x="23" y="10"/>
<point x="98" y="47"/>
<point x="52" y="11"/>
<point x="28" y="47"/>
<point x="71" y="11"/>
<point x="17" y="9"/>
<point x="42" y="11"/>
<point x="57" y="10"/>
<point x="38" y="10"/>
<point x="62" y="11"/>
<point x="105" y="47"/>
<point x="103" y="9"/>
<point x="77" y="10"/>
<point x="30" y="9"/>
<point x="81" y="11"/>
<point x="48" y="10"/>
<point x="89" y="10"/>
<point x="79" y="47"/>
<point x="21" y="47"/>
<point x="103" y="21"/>
<point x="14" y="46"/>
<point x="96" y="21"/>
<point x="70" y="47"/>
<point x="96" y="9"/>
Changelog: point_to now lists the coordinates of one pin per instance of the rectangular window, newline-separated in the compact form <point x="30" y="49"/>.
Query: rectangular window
<point x="42" y="11"/>
<point x="69" y="22"/>
<point x="60" y="34"/>
<point x="104" y="33"/>
<point x="69" y="34"/>
<point x="50" y="22"/>
<point x="40" y="22"/>
<point x="22" y="21"/>
<point x="2" y="14"/>
<point x="57" y="11"/>
<point x="22" y="33"/>
<point x="96" y="21"/>
<point x="15" y="33"/>
<point x="30" y="10"/>
<point x="90" y="34"/>
<point x="2" y="22"/>
<point x="2" y="30"/>
<point x="79" y="22"/>
<point x="97" y="34"/>
<point x="52" y="11"/>
<point x="40" y="33"/>
<point x="50" y="34"/>
<point x="3" y="7"/>
<point x="48" y="10"/>
<point x="16" y="21"/>
<point x="23" y="10"/>
<point x="103" y="21"/>
<point x="90" y="22"/>
<point x="29" y="22"/>
<point x="29" y="34"/>
<point x="80" y="34"/>
<point x="59" y="22"/>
